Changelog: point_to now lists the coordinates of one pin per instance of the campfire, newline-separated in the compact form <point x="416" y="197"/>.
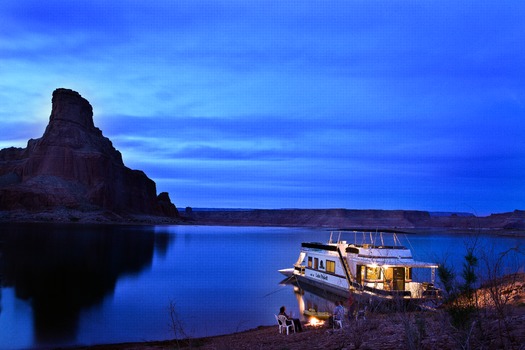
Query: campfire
<point x="315" y="322"/>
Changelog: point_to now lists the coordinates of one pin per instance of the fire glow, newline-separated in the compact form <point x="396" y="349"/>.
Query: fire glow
<point x="314" y="322"/>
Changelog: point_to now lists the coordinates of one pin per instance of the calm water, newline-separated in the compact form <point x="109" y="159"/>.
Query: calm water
<point x="64" y="285"/>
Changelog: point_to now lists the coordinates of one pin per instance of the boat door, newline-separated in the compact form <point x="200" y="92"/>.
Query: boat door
<point x="398" y="278"/>
<point x="360" y="274"/>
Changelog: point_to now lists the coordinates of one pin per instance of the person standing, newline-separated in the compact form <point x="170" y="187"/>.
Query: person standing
<point x="351" y="306"/>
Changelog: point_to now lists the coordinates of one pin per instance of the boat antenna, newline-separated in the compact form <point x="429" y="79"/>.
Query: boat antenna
<point x="331" y="232"/>
<point x="396" y="239"/>
<point x="381" y="235"/>
<point x="339" y="237"/>
<point x="409" y="243"/>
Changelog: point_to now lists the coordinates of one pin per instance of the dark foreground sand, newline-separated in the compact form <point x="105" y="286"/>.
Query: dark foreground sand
<point x="394" y="330"/>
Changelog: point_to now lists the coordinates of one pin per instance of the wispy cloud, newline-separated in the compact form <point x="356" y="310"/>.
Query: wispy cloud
<point x="403" y="104"/>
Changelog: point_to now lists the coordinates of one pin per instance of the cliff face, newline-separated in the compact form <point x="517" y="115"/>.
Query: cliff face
<point x="74" y="166"/>
<point x="342" y="218"/>
<point x="358" y="219"/>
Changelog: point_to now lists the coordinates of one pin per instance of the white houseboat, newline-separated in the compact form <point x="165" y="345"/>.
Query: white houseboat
<point x="372" y="268"/>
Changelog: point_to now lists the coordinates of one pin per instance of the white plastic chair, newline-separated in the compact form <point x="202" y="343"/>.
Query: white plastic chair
<point x="337" y="322"/>
<point x="279" y="323"/>
<point x="281" y="319"/>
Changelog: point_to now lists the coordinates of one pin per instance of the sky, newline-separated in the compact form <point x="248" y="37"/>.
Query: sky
<point x="416" y="105"/>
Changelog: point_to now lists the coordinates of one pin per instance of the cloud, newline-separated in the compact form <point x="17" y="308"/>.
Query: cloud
<point x="357" y="103"/>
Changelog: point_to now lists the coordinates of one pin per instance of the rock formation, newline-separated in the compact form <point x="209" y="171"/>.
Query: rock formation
<point x="74" y="166"/>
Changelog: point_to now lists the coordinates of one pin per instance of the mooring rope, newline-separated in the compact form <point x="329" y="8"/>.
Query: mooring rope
<point x="284" y="282"/>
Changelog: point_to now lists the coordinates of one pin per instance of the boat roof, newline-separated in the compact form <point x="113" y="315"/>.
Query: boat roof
<point x="333" y="246"/>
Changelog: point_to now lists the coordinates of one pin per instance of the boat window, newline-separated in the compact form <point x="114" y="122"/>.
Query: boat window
<point x="321" y="265"/>
<point x="310" y="262"/>
<point x="316" y="263"/>
<point x="373" y="273"/>
<point x="408" y="273"/>
<point x="330" y="266"/>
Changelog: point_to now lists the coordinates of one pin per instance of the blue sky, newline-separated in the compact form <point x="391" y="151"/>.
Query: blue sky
<point x="286" y="104"/>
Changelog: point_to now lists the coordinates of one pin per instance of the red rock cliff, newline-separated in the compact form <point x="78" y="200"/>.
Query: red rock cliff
<point x="74" y="166"/>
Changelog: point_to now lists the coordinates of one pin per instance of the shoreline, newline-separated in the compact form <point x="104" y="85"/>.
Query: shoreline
<point x="394" y="329"/>
<point x="381" y="331"/>
<point x="401" y="221"/>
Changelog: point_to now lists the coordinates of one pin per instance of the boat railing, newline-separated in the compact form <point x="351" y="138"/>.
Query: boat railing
<point x="374" y="240"/>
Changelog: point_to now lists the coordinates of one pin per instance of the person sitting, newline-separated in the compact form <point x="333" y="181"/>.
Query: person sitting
<point x="339" y="312"/>
<point x="296" y="322"/>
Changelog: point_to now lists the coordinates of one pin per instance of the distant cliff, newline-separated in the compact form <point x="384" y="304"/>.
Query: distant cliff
<point x="73" y="166"/>
<point x="365" y="219"/>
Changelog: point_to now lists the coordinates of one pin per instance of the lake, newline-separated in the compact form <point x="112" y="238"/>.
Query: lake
<point x="91" y="284"/>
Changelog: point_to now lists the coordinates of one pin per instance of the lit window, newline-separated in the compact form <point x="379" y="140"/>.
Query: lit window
<point x="330" y="266"/>
<point x="408" y="273"/>
<point x="373" y="273"/>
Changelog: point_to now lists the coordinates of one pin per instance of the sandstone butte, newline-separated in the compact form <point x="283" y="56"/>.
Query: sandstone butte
<point x="73" y="167"/>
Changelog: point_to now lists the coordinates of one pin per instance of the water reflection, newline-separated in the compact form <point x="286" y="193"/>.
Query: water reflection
<point x="62" y="269"/>
<point x="312" y="300"/>
<point x="211" y="273"/>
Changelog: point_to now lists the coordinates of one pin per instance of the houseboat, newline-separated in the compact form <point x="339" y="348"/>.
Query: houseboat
<point x="375" y="268"/>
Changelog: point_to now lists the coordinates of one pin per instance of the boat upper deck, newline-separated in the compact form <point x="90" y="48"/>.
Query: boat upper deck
<point x="370" y="253"/>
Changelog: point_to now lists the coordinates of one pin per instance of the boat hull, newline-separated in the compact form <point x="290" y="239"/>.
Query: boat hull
<point x="287" y="272"/>
<point x="339" y="291"/>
